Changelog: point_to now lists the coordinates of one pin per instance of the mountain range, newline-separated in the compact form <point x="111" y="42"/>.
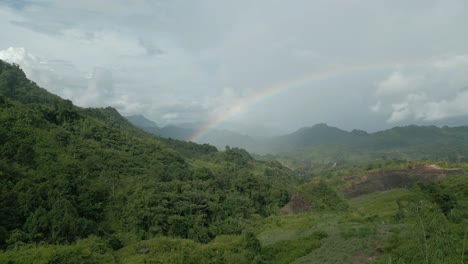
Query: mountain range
<point x="84" y="185"/>
<point x="405" y="142"/>
<point x="216" y="137"/>
<point x="69" y="173"/>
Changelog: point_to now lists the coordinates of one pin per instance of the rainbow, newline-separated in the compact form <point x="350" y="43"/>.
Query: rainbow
<point x="286" y="85"/>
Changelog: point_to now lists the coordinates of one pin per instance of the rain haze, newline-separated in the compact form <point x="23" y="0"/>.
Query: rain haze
<point x="369" y="65"/>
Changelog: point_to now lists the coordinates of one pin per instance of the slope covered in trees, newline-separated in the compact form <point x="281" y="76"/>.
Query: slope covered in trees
<point x="68" y="173"/>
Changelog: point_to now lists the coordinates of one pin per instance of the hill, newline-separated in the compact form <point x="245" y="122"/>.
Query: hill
<point x="83" y="185"/>
<point x="320" y="134"/>
<point x="69" y="173"/>
<point x="215" y="137"/>
<point x="321" y="144"/>
<point x="382" y="219"/>
<point x="325" y="144"/>
<point x="141" y="121"/>
<point x="382" y="180"/>
<point x="394" y="138"/>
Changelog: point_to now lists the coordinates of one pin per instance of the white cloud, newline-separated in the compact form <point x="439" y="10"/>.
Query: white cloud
<point x="57" y="75"/>
<point x="400" y="113"/>
<point x="431" y="92"/>
<point x="395" y="84"/>
<point x="16" y="55"/>
<point x="412" y="106"/>
<point x="64" y="79"/>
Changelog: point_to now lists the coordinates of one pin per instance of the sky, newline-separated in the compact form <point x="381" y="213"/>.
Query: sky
<point x="405" y="62"/>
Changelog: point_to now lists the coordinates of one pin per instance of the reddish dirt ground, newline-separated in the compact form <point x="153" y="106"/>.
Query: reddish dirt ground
<point x="297" y="204"/>
<point x="398" y="178"/>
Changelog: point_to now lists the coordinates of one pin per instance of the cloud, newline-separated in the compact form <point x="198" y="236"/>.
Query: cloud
<point x="395" y="84"/>
<point x="150" y="47"/>
<point x="457" y="61"/>
<point x="16" y="55"/>
<point x="433" y="91"/>
<point x="60" y="77"/>
<point x="50" y="29"/>
<point x="411" y="106"/>
<point x="57" y="75"/>
<point x="100" y="89"/>
<point x="187" y="61"/>
<point x="376" y="107"/>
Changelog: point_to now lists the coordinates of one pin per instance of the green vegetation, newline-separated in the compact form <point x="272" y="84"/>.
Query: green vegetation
<point x="322" y="145"/>
<point x="321" y="196"/>
<point x="372" y="203"/>
<point x="69" y="173"/>
<point x="85" y="186"/>
<point x="243" y="248"/>
<point x="287" y="251"/>
<point x="90" y="250"/>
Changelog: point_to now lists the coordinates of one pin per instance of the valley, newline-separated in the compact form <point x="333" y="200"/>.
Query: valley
<point x="85" y="185"/>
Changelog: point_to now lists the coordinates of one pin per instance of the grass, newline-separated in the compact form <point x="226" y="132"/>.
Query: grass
<point x="291" y="239"/>
<point x="357" y="235"/>
<point x="159" y="250"/>
<point x="287" y="251"/>
<point x="382" y="204"/>
<point x="337" y="249"/>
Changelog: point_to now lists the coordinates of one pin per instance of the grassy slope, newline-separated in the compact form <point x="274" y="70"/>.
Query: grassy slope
<point x="381" y="204"/>
<point x="369" y="232"/>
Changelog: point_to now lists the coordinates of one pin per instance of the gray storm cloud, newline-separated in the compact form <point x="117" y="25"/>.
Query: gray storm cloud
<point x="185" y="61"/>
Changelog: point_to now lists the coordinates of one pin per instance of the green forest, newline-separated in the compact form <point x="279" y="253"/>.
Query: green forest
<point x="83" y="185"/>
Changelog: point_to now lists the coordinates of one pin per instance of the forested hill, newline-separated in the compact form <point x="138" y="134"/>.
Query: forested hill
<point x="323" y="143"/>
<point x="330" y="144"/>
<point x="215" y="137"/>
<point x="407" y="136"/>
<point x="67" y="173"/>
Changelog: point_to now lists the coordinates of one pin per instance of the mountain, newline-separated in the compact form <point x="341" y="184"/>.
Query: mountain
<point x="215" y="137"/>
<point x="171" y="131"/>
<point x="320" y="134"/>
<point x="83" y="185"/>
<point x="174" y="132"/>
<point x="87" y="175"/>
<point x="322" y="143"/>
<point x="141" y="121"/>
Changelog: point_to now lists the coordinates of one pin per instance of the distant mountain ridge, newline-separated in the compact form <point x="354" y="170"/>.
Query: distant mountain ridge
<point x="322" y="134"/>
<point x="322" y="143"/>
<point x="315" y="135"/>
<point x="140" y="121"/>
<point x="215" y="137"/>
<point x="331" y="143"/>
